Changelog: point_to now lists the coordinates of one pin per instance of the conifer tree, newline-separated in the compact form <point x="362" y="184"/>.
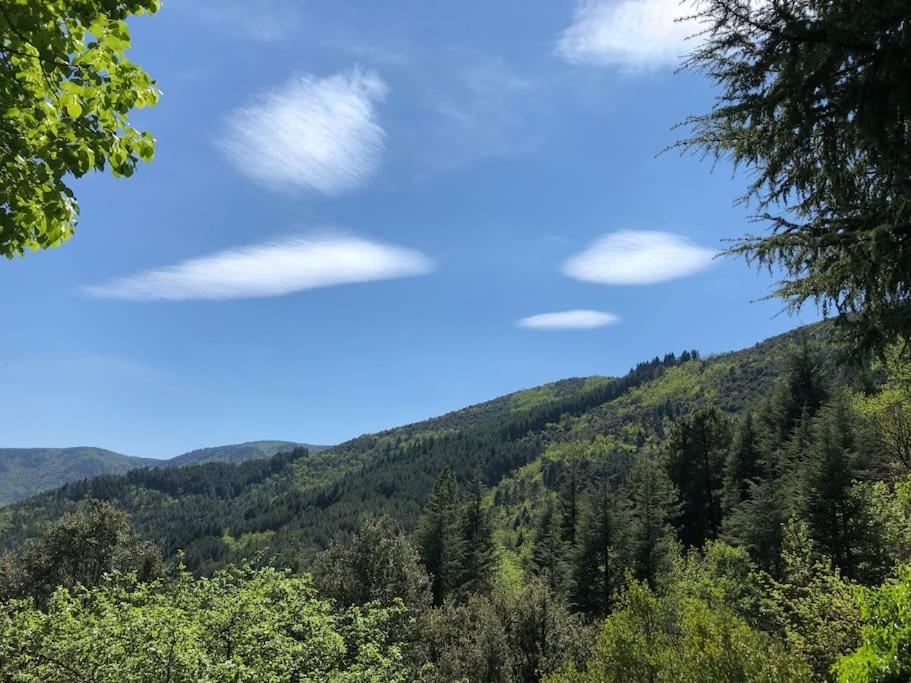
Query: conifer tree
<point x="697" y="451"/>
<point x="833" y="513"/>
<point x="570" y="492"/>
<point x="439" y="537"/>
<point x="479" y="548"/>
<point x="595" y="563"/>
<point x="550" y="557"/>
<point x="651" y="503"/>
<point x="742" y="465"/>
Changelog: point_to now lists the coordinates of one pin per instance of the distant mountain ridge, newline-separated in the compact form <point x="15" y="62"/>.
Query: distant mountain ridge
<point x="26" y="471"/>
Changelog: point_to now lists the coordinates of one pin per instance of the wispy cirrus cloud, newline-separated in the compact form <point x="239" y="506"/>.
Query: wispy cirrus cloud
<point x="318" y="134"/>
<point x="271" y="269"/>
<point x="636" y="35"/>
<point x="638" y="257"/>
<point x="257" y="20"/>
<point x="577" y="319"/>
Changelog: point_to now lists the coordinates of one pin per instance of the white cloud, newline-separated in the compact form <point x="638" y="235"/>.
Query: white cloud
<point x="578" y="319"/>
<point x="316" y="134"/>
<point x="270" y="269"/>
<point x="631" y="34"/>
<point x="638" y="257"/>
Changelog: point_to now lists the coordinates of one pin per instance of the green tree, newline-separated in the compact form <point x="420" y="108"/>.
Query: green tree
<point x="812" y="607"/>
<point x="467" y="642"/>
<point x="550" y="557"/>
<point x="653" y="639"/>
<point x="478" y="534"/>
<point x="883" y="655"/>
<point x="835" y="516"/>
<point x="542" y="634"/>
<point x="651" y="503"/>
<point x="596" y="563"/>
<point x="66" y="89"/>
<point x="696" y="454"/>
<point x="79" y="549"/>
<point x="239" y="626"/>
<point x="814" y="102"/>
<point x="377" y="565"/>
<point x="439" y="538"/>
<point x="742" y="465"/>
<point x="570" y="494"/>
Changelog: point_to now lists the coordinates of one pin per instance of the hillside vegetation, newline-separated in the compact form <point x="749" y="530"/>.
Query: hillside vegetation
<point x="290" y="507"/>
<point x="27" y="471"/>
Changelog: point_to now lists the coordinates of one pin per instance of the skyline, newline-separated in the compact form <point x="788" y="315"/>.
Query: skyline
<point x="371" y="220"/>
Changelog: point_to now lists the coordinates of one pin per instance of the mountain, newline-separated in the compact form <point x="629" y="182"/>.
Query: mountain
<point x="292" y="505"/>
<point x="236" y="453"/>
<point x="26" y="471"/>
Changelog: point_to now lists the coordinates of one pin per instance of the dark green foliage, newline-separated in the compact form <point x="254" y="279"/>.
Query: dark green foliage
<point x="478" y="534"/>
<point x="467" y="641"/>
<point x="541" y="632"/>
<point x="597" y="568"/>
<point x="79" y="549"/>
<point x="570" y="493"/>
<point x="651" y="503"/>
<point x="835" y="516"/>
<point x="439" y="538"/>
<point x="696" y="454"/>
<point x="551" y="553"/>
<point x="26" y="471"/>
<point x="815" y="102"/>
<point x="378" y="564"/>
<point x="742" y="465"/>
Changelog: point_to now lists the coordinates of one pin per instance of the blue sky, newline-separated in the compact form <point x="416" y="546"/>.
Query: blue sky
<point x="365" y="214"/>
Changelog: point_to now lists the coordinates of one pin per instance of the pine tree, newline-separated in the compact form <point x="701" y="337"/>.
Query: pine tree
<point x="570" y="491"/>
<point x="697" y="450"/>
<point x="651" y="502"/>
<point x="595" y="562"/>
<point x="439" y="537"/>
<point x="550" y="557"/>
<point x="479" y="548"/>
<point x="833" y="513"/>
<point x="742" y="465"/>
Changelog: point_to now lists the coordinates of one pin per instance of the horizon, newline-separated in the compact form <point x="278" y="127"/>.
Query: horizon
<point x="327" y="445"/>
<point x="376" y="216"/>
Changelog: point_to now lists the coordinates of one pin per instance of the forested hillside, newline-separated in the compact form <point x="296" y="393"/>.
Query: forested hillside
<point x="26" y="471"/>
<point x="290" y="507"/>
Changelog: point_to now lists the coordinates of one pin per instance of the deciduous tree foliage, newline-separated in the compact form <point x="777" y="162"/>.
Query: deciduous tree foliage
<point x="815" y="101"/>
<point x="66" y="90"/>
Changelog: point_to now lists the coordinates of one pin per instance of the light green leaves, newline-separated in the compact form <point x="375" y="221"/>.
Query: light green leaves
<point x="66" y="90"/>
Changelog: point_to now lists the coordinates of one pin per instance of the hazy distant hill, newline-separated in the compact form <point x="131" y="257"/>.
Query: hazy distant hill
<point x="240" y="452"/>
<point x="26" y="471"/>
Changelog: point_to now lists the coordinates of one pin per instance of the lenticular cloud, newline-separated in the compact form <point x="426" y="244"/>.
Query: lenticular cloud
<point x="578" y="319"/>
<point x="638" y="257"/>
<point x="270" y="269"/>
<point x="314" y="134"/>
